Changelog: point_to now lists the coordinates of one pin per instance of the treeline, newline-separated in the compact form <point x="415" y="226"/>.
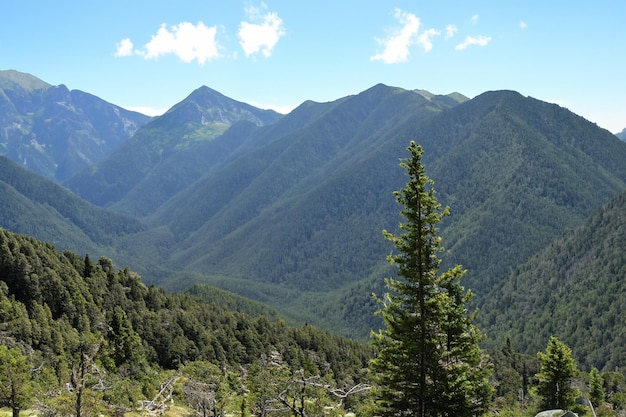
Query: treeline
<point x="91" y="331"/>
<point x="79" y="337"/>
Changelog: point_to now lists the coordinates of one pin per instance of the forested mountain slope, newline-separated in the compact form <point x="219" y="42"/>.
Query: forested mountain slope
<point x="75" y="316"/>
<point x="295" y="193"/>
<point x="517" y="173"/>
<point x="163" y="156"/>
<point x="57" y="132"/>
<point x="299" y="220"/>
<point x="575" y="289"/>
<point x="289" y="210"/>
<point x="34" y="205"/>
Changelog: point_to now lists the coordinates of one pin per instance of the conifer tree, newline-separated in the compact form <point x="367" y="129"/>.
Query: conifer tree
<point x="596" y="387"/>
<point x="558" y="370"/>
<point x="429" y="362"/>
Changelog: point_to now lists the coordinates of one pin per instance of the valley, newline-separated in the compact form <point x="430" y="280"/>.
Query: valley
<point x="288" y="210"/>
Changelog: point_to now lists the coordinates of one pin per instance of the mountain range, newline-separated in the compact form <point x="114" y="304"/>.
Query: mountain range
<point x="288" y="210"/>
<point x="57" y="132"/>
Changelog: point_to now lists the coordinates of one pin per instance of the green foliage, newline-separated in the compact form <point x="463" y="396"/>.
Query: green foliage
<point x="14" y="379"/>
<point x="558" y="370"/>
<point x="514" y="375"/>
<point x="596" y="387"/>
<point x="105" y="334"/>
<point x="38" y="207"/>
<point x="429" y="362"/>
<point x="518" y="173"/>
<point x="574" y="289"/>
<point x="312" y="187"/>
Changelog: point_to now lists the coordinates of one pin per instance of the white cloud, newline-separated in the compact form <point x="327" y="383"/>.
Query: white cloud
<point x="522" y="24"/>
<point x="124" y="48"/>
<point x="396" y="46"/>
<point x="475" y="19"/>
<point x="479" y="41"/>
<point x="187" y="41"/>
<point x="425" y="39"/>
<point x="262" y="34"/>
<point x="450" y="31"/>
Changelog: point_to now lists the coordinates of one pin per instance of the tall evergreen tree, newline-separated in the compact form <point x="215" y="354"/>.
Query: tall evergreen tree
<point x="596" y="387"/>
<point x="429" y="362"/>
<point x="558" y="370"/>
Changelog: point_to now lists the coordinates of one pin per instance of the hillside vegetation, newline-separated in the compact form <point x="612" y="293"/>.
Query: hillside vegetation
<point x="33" y="205"/>
<point x="296" y="223"/>
<point x="84" y="338"/>
<point x="573" y="289"/>
<point x="80" y="317"/>
<point x="288" y="210"/>
<point x="149" y="163"/>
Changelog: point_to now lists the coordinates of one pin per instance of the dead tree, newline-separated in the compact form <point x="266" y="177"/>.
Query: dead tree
<point x="157" y="406"/>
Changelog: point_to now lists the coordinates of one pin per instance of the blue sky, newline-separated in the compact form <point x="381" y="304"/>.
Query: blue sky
<point x="279" y="53"/>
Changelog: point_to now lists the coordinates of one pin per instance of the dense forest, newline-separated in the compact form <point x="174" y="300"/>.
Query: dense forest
<point x="104" y="334"/>
<point x="217" y="203"/>
<point x="573" y="289"/>
<point x="80" y="337"/>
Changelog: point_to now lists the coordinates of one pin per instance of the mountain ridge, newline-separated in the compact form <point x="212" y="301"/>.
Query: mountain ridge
<point x="292" y="211"/>
<point x="9" y="79"/>
<point x="187" y="125"/>
<point x="527" y="173"/>
<point x="36" y="206"/>
<point x="56" y="131"/>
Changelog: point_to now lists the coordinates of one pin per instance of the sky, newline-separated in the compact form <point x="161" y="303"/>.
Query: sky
<point x="149" y="55"/>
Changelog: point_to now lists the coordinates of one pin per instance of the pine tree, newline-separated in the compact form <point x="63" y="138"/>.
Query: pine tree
<point x="558" y="369"/>
<point x="596" y="387"/>
<point x="429" y="362"/>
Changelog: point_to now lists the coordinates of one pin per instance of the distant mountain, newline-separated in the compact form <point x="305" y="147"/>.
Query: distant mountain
<point x="288" y="210"/>
<point x="517" y="172"/>
<point x="31" y="204"/>
<point x="574" y="289"/>
<point x="298" y="221"/>
<point x="622" y="135"/>
<point x="163" y="156"/>
<point x="295" y="192"/>
<point x="57" y="132"/>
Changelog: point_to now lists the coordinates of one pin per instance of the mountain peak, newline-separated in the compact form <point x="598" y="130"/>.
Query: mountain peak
<point x="9" y="79"/>
<point x="206" y="105"/>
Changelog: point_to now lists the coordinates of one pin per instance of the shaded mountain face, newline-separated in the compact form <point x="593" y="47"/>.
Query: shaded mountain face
<point x="517" y="173"/>
<point x="574" y="289"/>
<point x="163" y="157"/>
<point x="57" y="132"/>
<point x="622" y="135"/>
<point x="31" y="204"/>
